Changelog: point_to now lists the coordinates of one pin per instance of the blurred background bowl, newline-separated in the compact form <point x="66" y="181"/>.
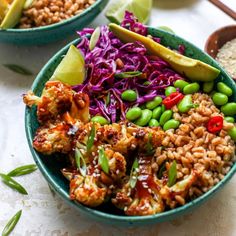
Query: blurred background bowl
<point x="54" y="32"/>
<point x="218" y="38"/>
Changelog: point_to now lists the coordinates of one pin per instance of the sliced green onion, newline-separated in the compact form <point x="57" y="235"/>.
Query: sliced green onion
<point x="22" y="170"/>
<point x="103" y="161"/>
<point x="91" y="137"/>
<point x="80" y="162"/>
<point x="128" y="74"/>
<point x="161" y="170"/>
<point x="149" y="146"/>
<point x="13" y="184"/>
<point x="11" y="224"/>
<point x="133" y="178"/>
<point x="108" y="98"/>
<point x="172" y="174"/>
<point x="94" y="38"/>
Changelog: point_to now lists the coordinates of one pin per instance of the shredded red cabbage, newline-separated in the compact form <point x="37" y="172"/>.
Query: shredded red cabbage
<point x="109" y="57"/>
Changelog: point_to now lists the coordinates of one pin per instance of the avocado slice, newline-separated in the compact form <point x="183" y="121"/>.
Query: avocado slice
<point x="193" y="69"/>
<point x="13" y="15"/>
<point x="3" y="9"/>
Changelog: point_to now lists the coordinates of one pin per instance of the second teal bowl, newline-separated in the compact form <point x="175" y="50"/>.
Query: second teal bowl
<point x="54" y="32"/>
<point x="51" y="169"/>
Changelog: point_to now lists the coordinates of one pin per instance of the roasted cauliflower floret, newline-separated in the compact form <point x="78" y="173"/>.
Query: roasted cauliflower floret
<point x="85" y="189"/>
<point x="117" y="164"/>
<point x="53" y="137"/>
<point x="55" y="99"/>
<point x="141" y="197"/>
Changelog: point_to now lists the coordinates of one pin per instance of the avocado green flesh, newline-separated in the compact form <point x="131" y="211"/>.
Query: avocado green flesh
<point x="13" y="15"/>
<point x="193" y="69"/>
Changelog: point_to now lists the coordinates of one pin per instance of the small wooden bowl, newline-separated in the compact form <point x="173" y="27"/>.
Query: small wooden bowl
<point x="217" y="39"/>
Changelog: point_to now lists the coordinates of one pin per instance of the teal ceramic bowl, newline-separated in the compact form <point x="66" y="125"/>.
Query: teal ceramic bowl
<point x="51" y="169"/>
<point x="54" y="32"/>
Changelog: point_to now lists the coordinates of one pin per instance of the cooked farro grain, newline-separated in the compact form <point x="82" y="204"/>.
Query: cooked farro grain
<point x="47" y="12"/>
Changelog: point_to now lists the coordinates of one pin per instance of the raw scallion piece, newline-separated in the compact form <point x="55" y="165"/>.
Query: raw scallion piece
<point x="161" y="170"/>
<point x="80" y="162"/>
<point x="128" y="74"/>
<point x="133" y="178"/>
<point x="13" y="184"/>
<point x="103" y="161"/>
<point x="22" y="170"/>
<point x="149" y="147"/>
<point x="172" y="174"/>
<point x="91" y="137"/>
<point x="11" y="224"/>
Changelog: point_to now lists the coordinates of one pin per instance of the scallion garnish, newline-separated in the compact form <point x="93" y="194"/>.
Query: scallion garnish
<point x="80" y="162"/>
<point x="91" y="138"/>
<point x="172" y="174"/>
<point x="103" y="161"/>
<point x="128" y="74"/>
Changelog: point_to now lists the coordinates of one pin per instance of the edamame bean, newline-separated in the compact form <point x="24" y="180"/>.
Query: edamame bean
<point x="208" y="87"/>
<point x="144" y="118"/>
<point x="169" y="90"/>
<point x="225" y="89"/>
<point x="171" y="124"/>
<point x="219" y="99"/>
<point x="166" y="115"/>
<point x="185" y="104"/>
<point x="153" y="123"/>
<point x="229" y="119"/>
<point x="232" y="133"/>
<point x="229" y="109"/>
<point x="191" y="88"/>
<point x="156" y="113"/>
<point x="100" y="119"/>
<point x="133" y="113"/>
<point x="180" y="84"/>
<point x="163" y="108"/>
<point x="129" y="95"/>
<point x="154" y="103"/>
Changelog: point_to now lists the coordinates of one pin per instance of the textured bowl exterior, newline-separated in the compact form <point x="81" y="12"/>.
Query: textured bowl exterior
<point x="51" y="170"/>
<point x="54" y="32"/>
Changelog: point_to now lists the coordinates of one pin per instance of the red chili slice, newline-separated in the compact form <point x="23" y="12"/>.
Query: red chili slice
<point x="215" y="124"/>
<point x="172" y="99"/>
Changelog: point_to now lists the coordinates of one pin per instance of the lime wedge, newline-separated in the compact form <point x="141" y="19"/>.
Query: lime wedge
<point x="71" y="69"/>
<point x="140" y="8"/>
<point x="3" y="9"/>
<point x="166" y="28"/>
<point x="13" y="15"/>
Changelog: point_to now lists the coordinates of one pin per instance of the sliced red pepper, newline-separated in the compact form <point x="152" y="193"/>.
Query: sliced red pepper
<point x="172" y="99"/>
<point x="215" y="124"/>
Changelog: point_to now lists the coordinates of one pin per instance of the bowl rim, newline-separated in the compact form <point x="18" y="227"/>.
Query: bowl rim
<point x="58" y="24"/>
<point x="97" y="214"/>
<point x="217" y="31"/>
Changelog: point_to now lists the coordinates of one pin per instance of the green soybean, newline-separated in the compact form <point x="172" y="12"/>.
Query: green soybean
<point x="154" y="103"/>
<point x="219" y="99"/>
<point x="144" y="118"/>
<point x="100" y="119"/>
<point x="169" y="90"/>
<point x="171" y="124"/>
<point x="185" y="104"/>
<point x="133" y="113"/>
<point x="230" y="119"/>
<point x="232" y="133"/>
<point x="163" y="108"/>
<point x="153" y="123"/>
<point x="191" y="88"/>
<point x="156" y="113"/>
<point x="129" y="95"/>
<point x="229" y="109"/>
<point x="166" y="115"/>
<point x="180" y="84"/>
<point x="225" y="89"/>
<point x="208" y="87"/>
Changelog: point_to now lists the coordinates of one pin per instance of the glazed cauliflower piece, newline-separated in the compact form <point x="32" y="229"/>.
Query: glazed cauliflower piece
<point x="143" y="198"/>
<point x="56" y="99"/>
<point x="52" y="138"/>
<point x="86" y="190"/>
